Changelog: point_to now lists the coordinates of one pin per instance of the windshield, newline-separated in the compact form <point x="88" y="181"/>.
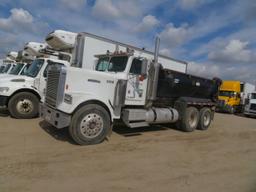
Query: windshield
<point x="2" y="69"/>
<point x="25" y="70"/>
<point x="253" y="96"/>
<point x="15" y="70"/>
<point x="6" y="69"/>
<point x="112" y="64"/>
<point x="35" y="67"/>
<point x="227" y="93"/>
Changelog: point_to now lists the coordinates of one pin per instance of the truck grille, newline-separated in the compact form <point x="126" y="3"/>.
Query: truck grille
<point x="55" y="85"/>
<point x="253" y="107"/>
<point x="220" y="103"/>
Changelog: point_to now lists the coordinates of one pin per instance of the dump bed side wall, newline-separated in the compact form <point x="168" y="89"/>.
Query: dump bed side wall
<point x="174" y="85"/>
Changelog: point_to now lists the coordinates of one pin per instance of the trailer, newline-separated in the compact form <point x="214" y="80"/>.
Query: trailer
<point x="135" y="86"/>
<point x="89" y="45"/>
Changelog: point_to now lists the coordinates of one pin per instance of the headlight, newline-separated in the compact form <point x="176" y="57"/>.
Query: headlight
<point x="68" y="98"/>
<point x="4" y="89"/>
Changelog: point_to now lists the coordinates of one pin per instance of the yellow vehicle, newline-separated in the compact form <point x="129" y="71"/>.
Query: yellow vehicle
<point x="230" y="97"/>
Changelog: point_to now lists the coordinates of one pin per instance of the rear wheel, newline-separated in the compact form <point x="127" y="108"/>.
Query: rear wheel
<point x="190" y="120"/>
<point x="24" y="105"/>
<point x="90" y="125"/>
<point x="205" y="118"/>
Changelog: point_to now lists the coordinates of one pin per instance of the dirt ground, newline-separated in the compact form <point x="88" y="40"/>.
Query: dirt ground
<point x="36" y="157"/>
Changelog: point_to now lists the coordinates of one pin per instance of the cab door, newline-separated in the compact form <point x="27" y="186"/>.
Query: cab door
<point x="137" y="82"/>
<point x="41" y="80"/>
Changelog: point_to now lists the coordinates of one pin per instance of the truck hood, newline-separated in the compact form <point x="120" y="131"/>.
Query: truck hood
<point x="15" y="78"/>
<point x="4" y="76"/>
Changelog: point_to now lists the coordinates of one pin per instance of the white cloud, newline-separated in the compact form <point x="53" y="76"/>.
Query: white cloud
<point x="244" y="73"/>
<point x="18" y="18"/>
<point x="191" y="4"/>
<point x="116" y="9"/>
<point x="73" y="4"/>
<point x="204" y="70"/>
<point x="147" y="24"/>
<point x="175" y="36"/>
<point x="166" y="52"/>
<point x="105" y="10"/>
<point x="235" y="51"/>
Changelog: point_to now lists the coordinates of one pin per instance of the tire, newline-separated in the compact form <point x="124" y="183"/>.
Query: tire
<point x="190" y="120"/>
<point x="205" y="118"/>
<point x="90" y="125"/>
<point x="24" y="105"/>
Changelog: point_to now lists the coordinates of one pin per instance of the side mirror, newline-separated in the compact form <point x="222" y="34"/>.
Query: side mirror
<point x="144" y="67"/>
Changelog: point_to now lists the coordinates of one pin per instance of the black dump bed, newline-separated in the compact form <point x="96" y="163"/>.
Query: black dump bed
<point x="173" y="85"/>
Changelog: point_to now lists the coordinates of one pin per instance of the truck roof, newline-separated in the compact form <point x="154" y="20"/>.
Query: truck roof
<point x="230" y="86"/>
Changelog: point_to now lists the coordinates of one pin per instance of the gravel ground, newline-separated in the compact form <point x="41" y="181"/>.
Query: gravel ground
<point x="36" y="157"/>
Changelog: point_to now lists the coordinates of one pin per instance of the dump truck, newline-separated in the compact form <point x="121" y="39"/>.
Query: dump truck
<point x="127" y="84"/>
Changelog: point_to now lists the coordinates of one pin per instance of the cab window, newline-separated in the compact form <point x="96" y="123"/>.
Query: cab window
<point x="102" y="64"/>
<point x="136" y="67"/>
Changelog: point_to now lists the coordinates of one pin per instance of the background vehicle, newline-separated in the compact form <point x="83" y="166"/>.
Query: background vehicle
<point x="232" y="96"/>
<point x="21" y="95"/>
<point x="7" y="66"/>
<point x="246" y="90"/>
<point x="126" y="85"/>
<point x="250" y="106"/>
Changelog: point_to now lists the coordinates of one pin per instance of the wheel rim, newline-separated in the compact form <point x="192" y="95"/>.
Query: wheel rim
<point x="207" y="119"/>
<point x="25" y="106"/>
<point x="91" y="125"/>
<point x="193" y="119"/>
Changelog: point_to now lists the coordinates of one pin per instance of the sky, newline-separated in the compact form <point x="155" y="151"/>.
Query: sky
<point x="216" y="37"/>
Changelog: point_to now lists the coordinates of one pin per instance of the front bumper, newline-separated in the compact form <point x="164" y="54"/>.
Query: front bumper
<point x="250" y="113"/>
<point x="224" y="108"/>
<point x="3" y="101"/>
<point x="56" y="118"/>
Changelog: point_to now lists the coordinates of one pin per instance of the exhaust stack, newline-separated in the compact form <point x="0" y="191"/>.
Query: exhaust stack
<point x="156" y="71"/>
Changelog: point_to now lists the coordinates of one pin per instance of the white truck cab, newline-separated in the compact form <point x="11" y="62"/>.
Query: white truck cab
<point x="6" y="68"/>
<point x="250" y="107"/>
<point x="21" y="94"/>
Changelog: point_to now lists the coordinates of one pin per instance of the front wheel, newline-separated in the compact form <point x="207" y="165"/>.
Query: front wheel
<point x="90" y="125"/>
<point x="24" y="105"/>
